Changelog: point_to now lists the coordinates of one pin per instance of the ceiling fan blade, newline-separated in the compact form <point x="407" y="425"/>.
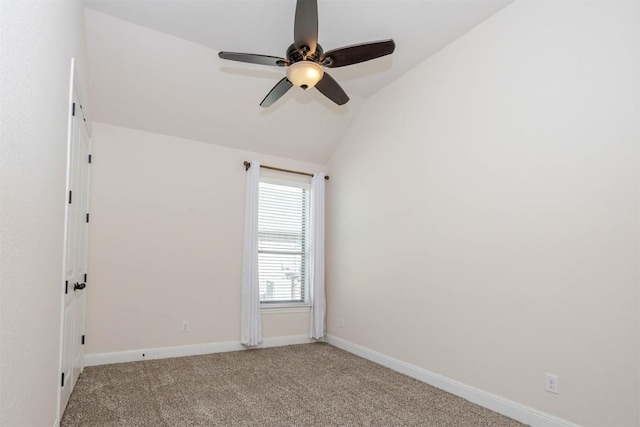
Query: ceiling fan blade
<point x="332" y="90"/>
<point x="253" y="58"/>
<point x="305" y="29"/>
<point x="278" y="90"/>
<point x="357" y="53"/>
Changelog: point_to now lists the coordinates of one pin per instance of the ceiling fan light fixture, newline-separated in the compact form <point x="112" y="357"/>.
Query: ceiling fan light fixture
<point x="305" y="74"/>
<point x="305" y="58"/>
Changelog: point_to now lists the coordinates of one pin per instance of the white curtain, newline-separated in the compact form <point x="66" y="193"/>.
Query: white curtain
<point x="251" y="326"/>
<point x="316" y="256"/>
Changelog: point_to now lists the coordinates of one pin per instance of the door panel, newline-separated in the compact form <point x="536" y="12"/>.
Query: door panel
<point x="82" y="233"/>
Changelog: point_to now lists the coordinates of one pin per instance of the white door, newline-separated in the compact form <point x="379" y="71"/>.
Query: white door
<point x="76" y="244"/>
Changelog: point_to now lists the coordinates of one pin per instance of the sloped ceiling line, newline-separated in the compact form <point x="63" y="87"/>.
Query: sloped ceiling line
<point x="153" y="66"/>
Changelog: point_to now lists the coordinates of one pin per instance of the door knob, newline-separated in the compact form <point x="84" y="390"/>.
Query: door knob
<point x="77" y="286"/>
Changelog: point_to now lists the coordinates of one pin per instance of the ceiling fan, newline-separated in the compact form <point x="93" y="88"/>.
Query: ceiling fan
<point x="305" y="58"/>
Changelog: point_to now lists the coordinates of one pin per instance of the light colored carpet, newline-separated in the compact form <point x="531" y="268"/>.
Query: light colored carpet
<point x="300" y="385"/>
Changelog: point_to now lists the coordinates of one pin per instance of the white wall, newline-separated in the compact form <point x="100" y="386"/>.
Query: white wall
<point x="39" y="38"/>
<point x="483" y="220"/>
<point x="166" y="242"/>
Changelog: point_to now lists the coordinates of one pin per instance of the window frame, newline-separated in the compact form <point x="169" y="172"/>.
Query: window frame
<point x="277" y="307"/>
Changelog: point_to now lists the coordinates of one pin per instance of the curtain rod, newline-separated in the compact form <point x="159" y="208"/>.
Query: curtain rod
<point x="247" y="165"/>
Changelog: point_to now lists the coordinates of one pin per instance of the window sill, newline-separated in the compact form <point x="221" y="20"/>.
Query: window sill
<point x="284" y="309"/>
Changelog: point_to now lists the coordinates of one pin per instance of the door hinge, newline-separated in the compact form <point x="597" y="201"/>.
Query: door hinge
<point x="85" y="277"/>
<point x="87" y="217"/>
<point x="83" y="340"/>
<point x="62" y="385"/>
<point x="66" y="286"/>
<point x="73" y="109"/>
<point x="89" y="158"/>
<point x="70" y="196"/>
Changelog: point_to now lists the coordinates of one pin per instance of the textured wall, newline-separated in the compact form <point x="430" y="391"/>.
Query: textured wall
<point x="166" y="233"/>
<point x="39" y="38"/>
<point x="484" y="221"/>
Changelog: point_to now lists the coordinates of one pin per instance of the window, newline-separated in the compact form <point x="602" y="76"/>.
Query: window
<point x="283" y="217"/>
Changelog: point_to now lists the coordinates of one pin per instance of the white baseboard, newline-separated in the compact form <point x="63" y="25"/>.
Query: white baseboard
<point x="498" y="404"/>
<point x="490" y="401"/>
<point x="187" y="350"/>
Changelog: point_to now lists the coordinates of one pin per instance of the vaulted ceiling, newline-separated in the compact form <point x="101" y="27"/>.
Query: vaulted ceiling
<point x="153" y="65"/>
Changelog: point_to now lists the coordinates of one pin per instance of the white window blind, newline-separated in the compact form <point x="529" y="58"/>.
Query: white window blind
<point x="283" y="217"/>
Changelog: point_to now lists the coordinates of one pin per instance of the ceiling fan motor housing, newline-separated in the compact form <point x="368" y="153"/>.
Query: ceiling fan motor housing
<point x="294" y="55"/>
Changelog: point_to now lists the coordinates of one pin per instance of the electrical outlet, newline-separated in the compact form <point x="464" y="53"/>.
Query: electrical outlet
<point x="185" y="326"/>
<point x="551" y="383"/>
<point x="341" y="323"/>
